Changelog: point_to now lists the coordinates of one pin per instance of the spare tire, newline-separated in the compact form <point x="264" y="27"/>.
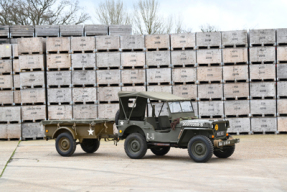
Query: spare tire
<point x="117" y="116"/>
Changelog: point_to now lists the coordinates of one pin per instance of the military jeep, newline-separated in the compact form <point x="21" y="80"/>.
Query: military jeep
<point x="171" y="124"/>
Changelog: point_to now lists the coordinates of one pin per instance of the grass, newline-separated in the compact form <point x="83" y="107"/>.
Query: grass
<point x="9" y="159"/>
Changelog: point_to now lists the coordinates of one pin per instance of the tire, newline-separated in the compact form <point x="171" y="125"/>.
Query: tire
<point x="200" y="148"/>
<point x="160" y="151"/>
<point x="65" y="144"/>
<point x="135" y="146"/>
<point x="225" y="152"/>
<point x="90" y="145"/>
<point x="117" y="116"/>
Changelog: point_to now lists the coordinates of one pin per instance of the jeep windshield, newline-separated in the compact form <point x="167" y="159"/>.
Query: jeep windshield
<point x="180" y="107"/>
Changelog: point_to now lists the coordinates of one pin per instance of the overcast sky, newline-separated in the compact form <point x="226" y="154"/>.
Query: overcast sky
<point x="224" y="14"/>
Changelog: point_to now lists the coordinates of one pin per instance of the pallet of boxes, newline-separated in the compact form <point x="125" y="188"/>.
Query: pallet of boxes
<point x="10" y="115"/>
<point x="108" y="75"/>
<point x="184" y="67"/>
<point x="158" y="72"/>
<point x="209" y="75"/>
<point x="59" y="78"/>
<point x="236" y="80"/>
<point x="32" y="86"/>
<point x="282" y="80"/>
<point x="133" y="63"/>
<point x="262" y="70"/>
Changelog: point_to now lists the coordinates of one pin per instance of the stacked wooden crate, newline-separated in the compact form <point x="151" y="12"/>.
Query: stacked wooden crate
<point x="120" y="30"/>
<point x="108" y="75"/>
<point x="263" y="81"/>
<point x="59" y="78"/>
<point x="32" y="86"/>
<point x="84" y="91"/>
<point x="18" y="31"/>
<point x="47" y="30"/>
<point x="158" y="64"/>
<point x="10" y="115"/>
<point x="16" y="75"/>
<point x="6" y="75"/>
<point x="184" y="71"/>
<point x="236" y="80"/>
<point x="282" y="80"/>
<point x="71" y="30"/>
<point x="209" y="75"/>
<point x="4" y="34"/>
<point x="133" y="62"/>
<point x="95" y="30"/>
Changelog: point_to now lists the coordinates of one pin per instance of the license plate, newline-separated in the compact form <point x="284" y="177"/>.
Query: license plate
<point x="223" y="143"/>
<point x="220" y="133"/>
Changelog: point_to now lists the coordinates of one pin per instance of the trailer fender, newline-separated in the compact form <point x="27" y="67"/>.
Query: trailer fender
<point x="62" y="130"/>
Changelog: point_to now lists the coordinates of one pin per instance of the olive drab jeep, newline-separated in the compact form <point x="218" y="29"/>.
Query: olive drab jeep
<point x="169" y="122"/>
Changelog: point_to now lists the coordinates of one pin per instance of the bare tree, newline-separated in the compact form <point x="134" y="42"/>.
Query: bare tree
<point x="208" y="28"/>
<point x="178" y="25"/>
<point x="112" y="12"/>
<point x="40" y="12"/>
<point x="147" y="19"/>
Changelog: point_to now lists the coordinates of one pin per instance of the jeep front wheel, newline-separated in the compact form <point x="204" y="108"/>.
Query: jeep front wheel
<point x="200" y="148"/>
<point x="160" y="151"/>
<point x="65" y="144"/>
<point x="225" y="152"/>
<point x="135" y="146"/>
<point x="90" y="145"/>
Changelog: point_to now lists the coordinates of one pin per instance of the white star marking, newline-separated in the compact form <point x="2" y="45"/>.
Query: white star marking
<point x="121" y="122"/>
<point x="91" y="132"/>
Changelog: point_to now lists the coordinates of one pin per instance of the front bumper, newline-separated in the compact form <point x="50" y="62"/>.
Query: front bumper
<point x="221" y="143"/>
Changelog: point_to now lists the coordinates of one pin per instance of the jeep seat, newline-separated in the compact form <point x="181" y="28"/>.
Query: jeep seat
<point x="152" y="121"/>
<point x="164" y="122"/>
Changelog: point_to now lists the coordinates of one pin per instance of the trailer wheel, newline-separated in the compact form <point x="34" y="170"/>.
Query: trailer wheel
<point x="225" y="152"/>
<point x="135" y="146"/>
<point x="200" y="148"/>
<point x="65" y="144"/>
<point x="160" y="151"/>
<point x="90" y="145"/>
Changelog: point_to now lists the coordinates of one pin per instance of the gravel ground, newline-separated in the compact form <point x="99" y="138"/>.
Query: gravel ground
<point x="258" y="164"/>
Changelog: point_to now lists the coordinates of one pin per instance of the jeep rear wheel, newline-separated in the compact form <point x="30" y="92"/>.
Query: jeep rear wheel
<point x="135" y="146"/>
<point x="225" y="152"/>
<point x="65" y="144"/>
<point x="200" y="148"/>
<point x="90" y="145"/>
<point x="160" y="151"/>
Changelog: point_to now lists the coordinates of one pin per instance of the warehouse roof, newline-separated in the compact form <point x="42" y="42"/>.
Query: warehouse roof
<point x="163" y="96"/>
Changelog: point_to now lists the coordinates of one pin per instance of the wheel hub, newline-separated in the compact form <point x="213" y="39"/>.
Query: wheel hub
<point x="64" y="144"/>
<point x="135" y="145"/>
<point x="199" y="149"/>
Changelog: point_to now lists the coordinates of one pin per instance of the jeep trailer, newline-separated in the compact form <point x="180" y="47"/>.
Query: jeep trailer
<point x="175" y="125"/>
<point x="87" y="132"/>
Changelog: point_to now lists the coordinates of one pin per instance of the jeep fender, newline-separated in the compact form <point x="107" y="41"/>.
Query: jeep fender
<point x="188" y="132"/>
<point x="133" y="129"/>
